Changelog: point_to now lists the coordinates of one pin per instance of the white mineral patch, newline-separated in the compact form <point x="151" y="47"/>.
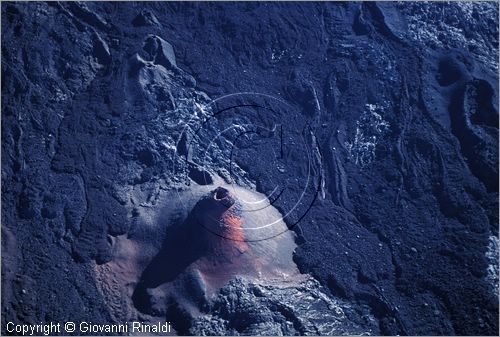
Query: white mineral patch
<point x="492" y="271"/>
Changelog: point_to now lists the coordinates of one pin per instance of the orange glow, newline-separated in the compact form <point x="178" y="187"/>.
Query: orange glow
<point x="234" y="230"/>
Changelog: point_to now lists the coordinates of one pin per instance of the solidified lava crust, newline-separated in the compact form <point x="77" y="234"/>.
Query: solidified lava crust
<point x="146" y="146"/>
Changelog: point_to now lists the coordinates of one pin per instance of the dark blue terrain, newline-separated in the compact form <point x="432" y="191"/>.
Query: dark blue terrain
<point x="398" y="102"/>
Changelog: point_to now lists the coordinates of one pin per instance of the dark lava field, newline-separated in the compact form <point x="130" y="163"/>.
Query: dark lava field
<point x="247" y="168"/>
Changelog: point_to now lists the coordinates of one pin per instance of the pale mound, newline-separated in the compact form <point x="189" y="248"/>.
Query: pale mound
<point x="230" y="232"/>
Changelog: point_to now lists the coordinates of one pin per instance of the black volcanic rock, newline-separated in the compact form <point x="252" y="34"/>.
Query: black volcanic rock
<point x="145" y="18"/>
<point x="106" y="109"/>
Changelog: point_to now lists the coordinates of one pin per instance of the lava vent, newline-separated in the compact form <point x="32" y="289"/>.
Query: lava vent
<point x="222" y="238"/>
